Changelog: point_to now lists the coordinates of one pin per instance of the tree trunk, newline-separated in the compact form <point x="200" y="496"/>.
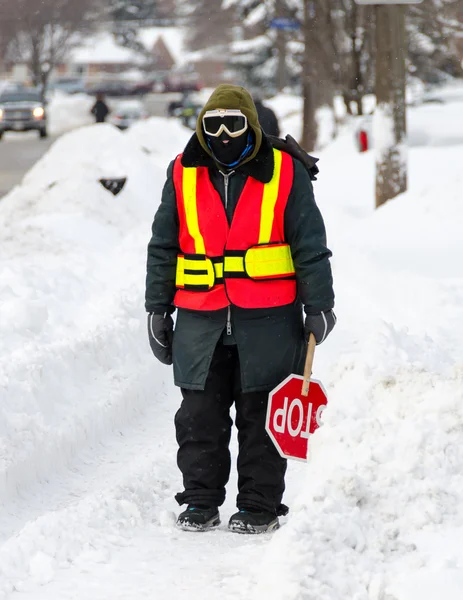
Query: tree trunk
<point x="357" y="79"/>
<point x="281" y="68"/>
<point x="309" y="126"/>
<point x="389" y="127"/>
<point x="281" y="49"/>
<point x="44" y="80"/>
<point x="35" y="65"/>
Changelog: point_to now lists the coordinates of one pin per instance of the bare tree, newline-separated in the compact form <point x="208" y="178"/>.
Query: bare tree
<point x="207" y="26"/>
<point x="432" y="28"/>
<point x="353" y="35"/>
<point x="43" y="31"/>
<point x="319" y="31"/>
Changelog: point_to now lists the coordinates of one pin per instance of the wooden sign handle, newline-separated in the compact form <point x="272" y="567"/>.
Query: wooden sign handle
<point x="308" y="364"/>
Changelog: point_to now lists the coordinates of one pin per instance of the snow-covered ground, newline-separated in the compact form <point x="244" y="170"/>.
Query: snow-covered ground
<point x="69" y="111"/>
<point x="87" y="448"/>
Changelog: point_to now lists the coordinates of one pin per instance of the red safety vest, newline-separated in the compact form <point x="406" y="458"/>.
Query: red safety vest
<point x="247" y="264"/>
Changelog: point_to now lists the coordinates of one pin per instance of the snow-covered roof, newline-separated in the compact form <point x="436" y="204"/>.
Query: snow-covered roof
<point x="173" y="37"/>
<point x="102" y="48"/>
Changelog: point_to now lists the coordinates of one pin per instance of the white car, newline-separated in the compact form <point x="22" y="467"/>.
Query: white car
<point x="127" y="113"/>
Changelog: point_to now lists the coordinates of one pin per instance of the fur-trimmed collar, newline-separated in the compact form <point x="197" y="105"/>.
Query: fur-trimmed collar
<point x="261" y="167"/>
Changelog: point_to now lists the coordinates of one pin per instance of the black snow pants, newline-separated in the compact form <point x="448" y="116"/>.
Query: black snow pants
<point x="203" y="427"/>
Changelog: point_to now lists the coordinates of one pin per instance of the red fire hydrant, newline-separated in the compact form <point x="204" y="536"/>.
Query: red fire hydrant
<point x="363" y="140"/>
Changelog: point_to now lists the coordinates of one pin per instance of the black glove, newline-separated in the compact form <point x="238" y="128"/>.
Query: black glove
<point x="160" y="332"/>
<point x="320" y="324"/>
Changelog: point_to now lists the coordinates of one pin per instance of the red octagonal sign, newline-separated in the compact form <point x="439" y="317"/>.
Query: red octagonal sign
<point x="292" y="417"/>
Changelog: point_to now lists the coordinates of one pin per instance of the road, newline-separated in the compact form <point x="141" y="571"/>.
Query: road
<point x="19" y="152"/>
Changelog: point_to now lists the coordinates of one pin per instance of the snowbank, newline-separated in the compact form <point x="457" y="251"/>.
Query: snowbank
<point x="75" y="364"/>
<point x="162" y="139"/>
<point x="69" y="284"/>
<point x="67" y="112"/>
<point x="379" y="516"/>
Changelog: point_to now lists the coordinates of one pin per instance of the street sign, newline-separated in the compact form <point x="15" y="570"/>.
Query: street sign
<point x="388" y="1"/>
<point x="285" y="23"/>
<point x="292" y="417"/>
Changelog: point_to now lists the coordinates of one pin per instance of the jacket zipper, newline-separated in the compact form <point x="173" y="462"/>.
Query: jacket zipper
<point x="229" y="327"/>
<point x="226" y="177"/>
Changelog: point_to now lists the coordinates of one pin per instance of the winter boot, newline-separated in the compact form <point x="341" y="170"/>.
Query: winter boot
<point x="253" y="521"/>
<point x="198" y="518"/>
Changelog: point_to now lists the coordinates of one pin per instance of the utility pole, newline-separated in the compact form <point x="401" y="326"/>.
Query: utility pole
<point x="389" y="123"/>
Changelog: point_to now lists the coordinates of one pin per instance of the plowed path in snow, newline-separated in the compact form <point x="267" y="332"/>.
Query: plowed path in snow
<point x="103" y="526"/>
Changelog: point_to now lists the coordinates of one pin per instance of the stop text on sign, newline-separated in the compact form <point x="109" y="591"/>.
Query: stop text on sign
<point x="294" y="418"/>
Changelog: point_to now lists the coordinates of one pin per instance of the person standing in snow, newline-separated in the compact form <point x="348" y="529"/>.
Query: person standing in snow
<point x="238" y="247"/>
<point x="100" y="109"/>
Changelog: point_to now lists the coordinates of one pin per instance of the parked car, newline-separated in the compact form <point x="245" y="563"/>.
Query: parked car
<point x="176" y="83"/>
<point x="128" y="113"/>
<point x="141" y="88"/>
<point x="70" y="85"/>
<point x="114" y="89"/>
<point x="23" y="110"/>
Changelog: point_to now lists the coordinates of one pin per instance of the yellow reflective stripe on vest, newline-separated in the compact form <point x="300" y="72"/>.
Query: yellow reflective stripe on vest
<point x="258" y="262"/>
<point x="271" y="261"/>
<point x="218" y="270"/>
<point x="195" y="265"/>
<point x="269" y="200"/>
<point x="234" y="264"/>
<point x="202" y="280"/>
<point x="185" y="276"/>
<point x="180" y="274"/>
<point x="191" y="209"/>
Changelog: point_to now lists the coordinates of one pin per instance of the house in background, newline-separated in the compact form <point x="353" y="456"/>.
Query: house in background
<point x="161" y="51"/>
<point x="165" y="46"/>
<point x="162" y="59"/>
<point x="99" y="56"/>
<point x="164" y="52"/>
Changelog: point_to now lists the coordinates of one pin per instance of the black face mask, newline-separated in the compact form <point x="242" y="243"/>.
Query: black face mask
<point x="227" y="150"/>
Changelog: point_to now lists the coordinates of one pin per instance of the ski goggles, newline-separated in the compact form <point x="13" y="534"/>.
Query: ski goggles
<point x="232" y="121"/>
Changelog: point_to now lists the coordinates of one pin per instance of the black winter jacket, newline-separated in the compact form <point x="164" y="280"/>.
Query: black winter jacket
<point x="100" y="111"/>
<point x="270" y="341"/>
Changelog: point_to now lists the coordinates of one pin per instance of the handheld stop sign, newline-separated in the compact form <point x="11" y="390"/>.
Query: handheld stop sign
<point x="294" y="410"/>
